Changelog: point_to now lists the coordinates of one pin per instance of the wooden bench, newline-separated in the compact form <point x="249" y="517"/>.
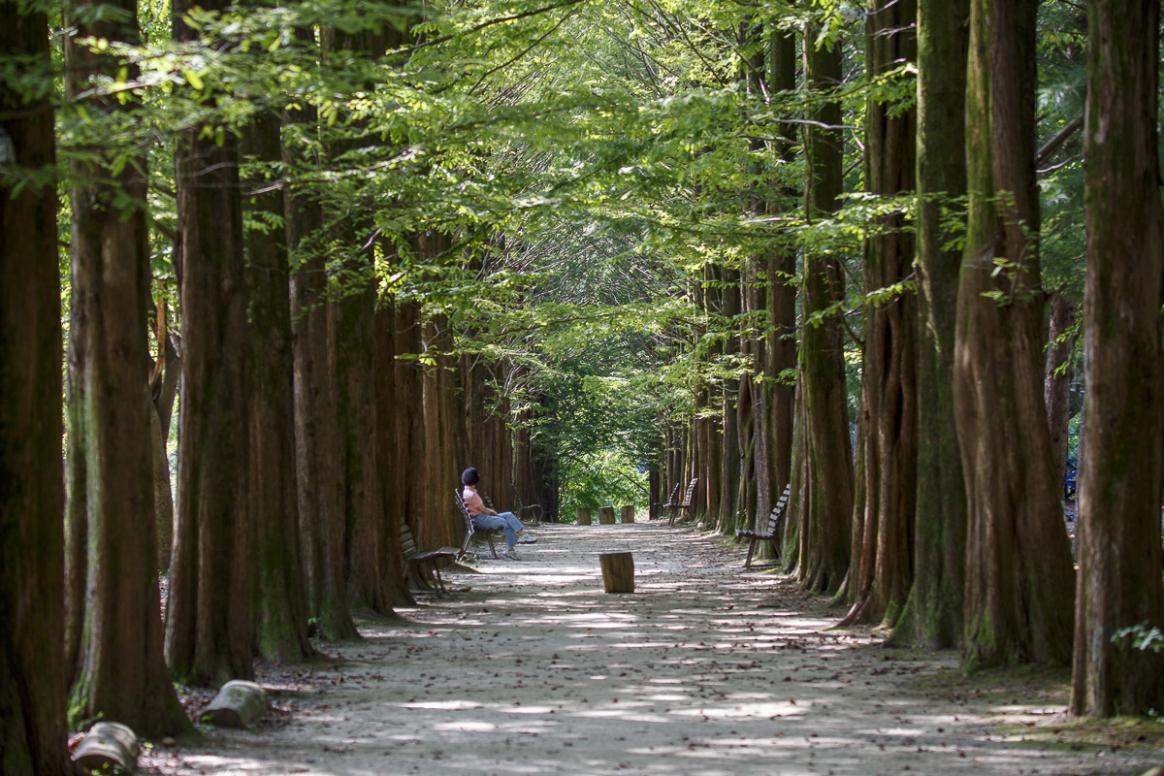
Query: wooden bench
<point x="416" y="560"/>
<point x="488" y="533"/>
<point x="683" y="510"/>
<point x="670" y="504"/>
<point x="771" y="532"/>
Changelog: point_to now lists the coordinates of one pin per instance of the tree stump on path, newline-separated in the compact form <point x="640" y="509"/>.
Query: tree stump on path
<point x="238" y="704"/>
<point x="628" y="514"/>
<point x="618" y="571"/>
<point x="606" y="515"/>
<point x="582" y="516"/>
<point x="108" y="747"/>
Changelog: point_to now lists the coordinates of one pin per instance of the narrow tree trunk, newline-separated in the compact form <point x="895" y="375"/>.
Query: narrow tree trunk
<point x="830" y="473"/>
<point x="1057" y="377"/>
<point x="1119" y="493"/>
<point x="1019" y="585"/>
<point x="210" y="616"/>
<point x="780" y="273"/>
<point x="109" y="361"/>
<point x="935" y="604"/>
<point x="280" y="604"/>
<point x="32" y="692"/>
<point x="730" y="469"/>
<point x="889" y="389"/>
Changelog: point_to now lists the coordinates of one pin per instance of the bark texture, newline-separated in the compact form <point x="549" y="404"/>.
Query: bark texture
<point x="110" y="425"/>
<point x="210" y="617"/>
<point x="1057" y="376"/>
<point x="317" y="441"/>
<point x="1019" y="585"/>
<point x="882" y="569"/>
<point x="1119" y="494"/>
<point x="281" y="617"/>
<point x="935" y="607"/>
<point x="32" y="692"/>
<point x="825" y="530"/>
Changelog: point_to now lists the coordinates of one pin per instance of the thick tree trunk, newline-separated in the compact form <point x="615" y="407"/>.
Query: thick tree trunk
<point x="1119" y="493"/>
<point x="935" y="605"/>
<point x="889" y="386"/>
<point x="281" y="622"/>
<point x="392" y="479"/>
<point x="317" y="443"/>
<point x="830" y="472"/>
<point x="353" y="309"/>
<point x="109" y="364"/>
<point x="210" y="621"/>
<point x="1057" y="376"/>
<point x="32" y="692"/>
<point x="355" y="343"/>
<point x="440" y="468"/>
<point x="1019" y="585"/>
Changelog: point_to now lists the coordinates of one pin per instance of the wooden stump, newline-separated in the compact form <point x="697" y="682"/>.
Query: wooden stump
<point x="108" y="747"/>
<point x="628" y="514"/>
<point x="237" y="705"/>
<point x="606" y="516"/>
<point x="618" y="571"/>
<point x="582" y="516"/>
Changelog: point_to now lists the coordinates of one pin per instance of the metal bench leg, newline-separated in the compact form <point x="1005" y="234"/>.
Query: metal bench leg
<point x="751" y="549"/>
<point x="492" y="547"/>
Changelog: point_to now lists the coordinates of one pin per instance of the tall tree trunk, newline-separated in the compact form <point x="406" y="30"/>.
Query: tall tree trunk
<point x="167" y="372"/>
<point x="354" y="317"/>
<point x="934" y="616"/>
<point x="281" y="623"/>
<point x="317" y="442"/>
<point x="408" y="496"/>
<point x="780" y="274"/>
<point x="1019" y="585"/>
<point x="729" y="442"/>
<point x="109" y="361"/>
<point x="1119" y="493"/>
<point x="353" y="311"/>
<point x="889" y="388"/>
<point x="210" y="622"/>
<point x="830" y="457"/>
<point x="393" y="457"/>
<point x="1057" y="376"/>
<point x="32" y="693"/>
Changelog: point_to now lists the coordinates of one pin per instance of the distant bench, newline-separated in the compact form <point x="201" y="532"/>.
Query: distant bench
<point x="771" y="531"/>
<point x="683" y="509"/>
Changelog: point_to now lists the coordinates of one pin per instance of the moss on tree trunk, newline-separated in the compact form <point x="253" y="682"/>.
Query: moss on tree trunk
<point x="1119" y="489"/>
<point x="1019" y="581"/>
<point x="32" y="691"/>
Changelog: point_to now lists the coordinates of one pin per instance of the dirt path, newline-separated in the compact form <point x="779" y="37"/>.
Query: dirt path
<point x="705" y="670"/>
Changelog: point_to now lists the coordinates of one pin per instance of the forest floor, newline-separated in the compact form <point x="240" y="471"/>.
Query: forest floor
<point x="706" y="669"/>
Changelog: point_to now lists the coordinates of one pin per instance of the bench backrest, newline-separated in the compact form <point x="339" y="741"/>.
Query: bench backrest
<point x="690" y="494"/>
<point x="674" y="493"/>
<point x="468" y="520"/>
<point x="407" y="541"/>
<point x="778" y="510"/>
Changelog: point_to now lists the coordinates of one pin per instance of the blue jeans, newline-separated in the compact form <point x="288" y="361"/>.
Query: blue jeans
<point x="506" y="521"/>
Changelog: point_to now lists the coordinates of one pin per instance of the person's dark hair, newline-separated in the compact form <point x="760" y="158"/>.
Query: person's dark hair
<point x="470" y="476"/>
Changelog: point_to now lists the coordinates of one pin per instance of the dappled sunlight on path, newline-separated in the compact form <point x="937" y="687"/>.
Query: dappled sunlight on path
<point x="706" y="669"/>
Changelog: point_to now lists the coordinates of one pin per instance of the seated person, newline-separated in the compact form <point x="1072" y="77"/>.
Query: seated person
<point x="488" y="519"/>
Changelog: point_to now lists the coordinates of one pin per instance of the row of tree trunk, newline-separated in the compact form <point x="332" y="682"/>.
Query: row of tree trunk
<point x="940" y="517"/>
<point x="315" y="419"/>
